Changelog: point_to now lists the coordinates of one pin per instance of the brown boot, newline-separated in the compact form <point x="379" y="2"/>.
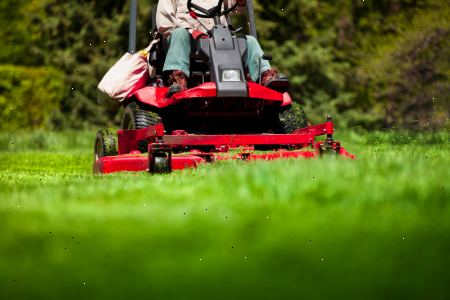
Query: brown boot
<point x="268" y="76"/>
<point x="275" y="80"/>
<point x="178" y="83"/>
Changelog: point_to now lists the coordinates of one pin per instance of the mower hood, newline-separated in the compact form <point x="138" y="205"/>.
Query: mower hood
<point x="156" y="96"/>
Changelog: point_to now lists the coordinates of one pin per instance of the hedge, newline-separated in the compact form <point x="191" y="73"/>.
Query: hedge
<point x="29" y="97"/>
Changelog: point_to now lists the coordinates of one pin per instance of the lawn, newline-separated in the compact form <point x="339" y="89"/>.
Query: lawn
<point x="374" y="228"/>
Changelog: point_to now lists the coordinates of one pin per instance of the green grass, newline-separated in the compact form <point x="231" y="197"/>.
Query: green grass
<point x="374" y="228"/>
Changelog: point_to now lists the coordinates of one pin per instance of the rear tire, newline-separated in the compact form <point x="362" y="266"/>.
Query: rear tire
<point x="135" y="117"/>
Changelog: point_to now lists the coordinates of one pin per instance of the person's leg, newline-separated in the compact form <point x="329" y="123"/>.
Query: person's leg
<point x="177" y="57"/>
<point x="254" y="59"/>
<point x="177" y="62"/>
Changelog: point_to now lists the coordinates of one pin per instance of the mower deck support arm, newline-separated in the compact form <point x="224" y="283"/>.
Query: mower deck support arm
<point x="129" y="139"/>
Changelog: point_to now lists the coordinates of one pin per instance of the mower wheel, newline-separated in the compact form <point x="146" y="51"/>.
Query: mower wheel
<point x="160" y="164"/>
<point x="135" y="117"/>
<point x="106" y="144"/>
<point x="291" y="119"/>
<point x="160" y="159"/>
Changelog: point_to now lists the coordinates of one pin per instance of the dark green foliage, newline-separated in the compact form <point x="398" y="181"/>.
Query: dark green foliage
<point x="84" y="39"/>
<point x="406" y="80"/>
<point x="15" y="33"/>
<point x="29" y="97"/>
<point x="331" y="51"/>
<point x="372" y="63"/>
<point x="292" y="119"/>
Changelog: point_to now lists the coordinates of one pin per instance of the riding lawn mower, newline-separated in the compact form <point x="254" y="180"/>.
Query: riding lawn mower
<point x="222" y="115"/>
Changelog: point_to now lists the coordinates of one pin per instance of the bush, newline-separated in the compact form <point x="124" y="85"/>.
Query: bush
<point x="29" y="97"/>
<point x="404" y="78"/>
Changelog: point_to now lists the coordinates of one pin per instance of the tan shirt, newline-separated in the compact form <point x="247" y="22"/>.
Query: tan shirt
<point x="172" y="14"/>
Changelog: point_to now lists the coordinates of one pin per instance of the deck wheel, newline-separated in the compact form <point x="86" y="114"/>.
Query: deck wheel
<point x="106" y="144"/>
<point x="160" y="159"/>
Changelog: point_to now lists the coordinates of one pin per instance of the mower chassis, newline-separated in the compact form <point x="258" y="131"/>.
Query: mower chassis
<point x="160" y="158"/>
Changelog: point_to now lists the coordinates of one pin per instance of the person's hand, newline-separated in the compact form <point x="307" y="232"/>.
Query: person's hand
<point x="241" y="2"/>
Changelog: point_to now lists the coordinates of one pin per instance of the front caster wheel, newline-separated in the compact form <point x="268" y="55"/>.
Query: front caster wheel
<point x="106" y="144"/>
<point x="160" y="159"/>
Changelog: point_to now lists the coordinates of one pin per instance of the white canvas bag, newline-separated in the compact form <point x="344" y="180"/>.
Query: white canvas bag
<point x="126" y="76"/>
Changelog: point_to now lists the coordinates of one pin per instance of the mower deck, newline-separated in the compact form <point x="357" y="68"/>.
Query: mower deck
<point x="199" y="149"/>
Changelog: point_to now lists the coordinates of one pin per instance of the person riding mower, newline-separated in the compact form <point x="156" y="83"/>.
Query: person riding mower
<point x="181" y="29"/>
<point x="210" y="95"/>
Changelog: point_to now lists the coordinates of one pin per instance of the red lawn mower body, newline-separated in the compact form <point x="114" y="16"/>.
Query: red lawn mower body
<point x="215" y="119"/>
<point x="301" y="143"/>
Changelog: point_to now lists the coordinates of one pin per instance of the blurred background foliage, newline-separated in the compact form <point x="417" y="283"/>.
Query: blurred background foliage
<point x="36" y="92"/>
<point x="373" y="64"/>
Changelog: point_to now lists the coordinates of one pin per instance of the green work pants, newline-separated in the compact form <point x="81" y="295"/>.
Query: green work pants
<point x="180" y="47"/>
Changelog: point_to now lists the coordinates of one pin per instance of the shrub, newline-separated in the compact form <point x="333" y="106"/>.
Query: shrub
<point x="29" y="97"/>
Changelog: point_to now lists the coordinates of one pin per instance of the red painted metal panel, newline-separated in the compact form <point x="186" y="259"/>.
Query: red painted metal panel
<point x="139" y="163"/>
<point x="185" y="162"/>
<point x="156" y="96"/>
<point x="238" y="140"/>
<point x="122" y="163"/>
<point x="316" y="130"/>
<point x="287" y="100"/>
<point x="206" y="90"/>
<point x="283" y="155"/>
<point x="128" y="139"/>
<point x="261" y="92"/>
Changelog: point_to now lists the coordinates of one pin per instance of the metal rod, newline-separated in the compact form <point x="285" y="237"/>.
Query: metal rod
<point x="259" y="68"/>
<point x="133" y="25"/>
<point x="251" y="18"/>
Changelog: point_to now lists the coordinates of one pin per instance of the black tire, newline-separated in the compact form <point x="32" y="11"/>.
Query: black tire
<point x="135" y="117"/>
<point x="106" y="144"/>
<point x="160" y="164"/>
<point x="291" y="119"/>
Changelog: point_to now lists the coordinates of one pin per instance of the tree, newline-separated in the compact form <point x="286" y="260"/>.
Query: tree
<point x="372" y="63"/>
<point x="83" y="39"/>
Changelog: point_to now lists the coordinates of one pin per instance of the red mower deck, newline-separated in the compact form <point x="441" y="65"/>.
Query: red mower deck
<point x="161" y="148"/>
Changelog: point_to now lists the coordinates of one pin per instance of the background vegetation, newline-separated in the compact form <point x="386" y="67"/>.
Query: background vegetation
<point x="374" y="63"/>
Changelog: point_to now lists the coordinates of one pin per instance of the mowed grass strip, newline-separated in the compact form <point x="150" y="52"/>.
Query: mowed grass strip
<point x="373" y="228"/>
